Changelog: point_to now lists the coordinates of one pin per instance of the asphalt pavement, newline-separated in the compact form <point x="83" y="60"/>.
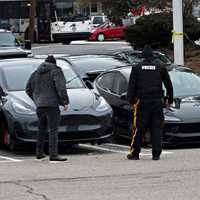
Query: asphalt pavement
<point x="100" y="172"/>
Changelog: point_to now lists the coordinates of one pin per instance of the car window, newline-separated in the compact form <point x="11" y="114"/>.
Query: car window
<point x="83" y="65"/>
<point x="98" y="20"/>
<point x="106" y="81"/>
<point x="25" y="69"/>
<point x="7" y="39"/>
<point x="185" y="83"/>
<point x="72" y="79"/>
<point x="120" y="84"/>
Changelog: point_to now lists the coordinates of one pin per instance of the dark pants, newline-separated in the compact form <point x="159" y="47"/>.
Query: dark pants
<point x="147" y="114"/>
<point x="49" y="117"/>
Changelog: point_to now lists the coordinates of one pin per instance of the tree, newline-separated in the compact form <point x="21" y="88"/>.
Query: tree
<point x="32" y="16"/>
<point x="117" y="9"/>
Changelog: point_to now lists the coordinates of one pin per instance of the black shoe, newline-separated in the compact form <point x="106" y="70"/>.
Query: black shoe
<point x="57" y="158"/>
<point x="156" y="158"/>
<point x="133" y="157"/>
<point x="40" y="156"/>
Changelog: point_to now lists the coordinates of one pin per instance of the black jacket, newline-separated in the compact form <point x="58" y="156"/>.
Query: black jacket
<point x="47" y="86"/>
<point x="1" y="92"/>
<point x="146" y="83"/>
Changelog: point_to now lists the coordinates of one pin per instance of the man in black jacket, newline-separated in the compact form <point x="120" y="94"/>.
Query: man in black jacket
<point x="47" y="88"/>
<point x="145" y="93"/>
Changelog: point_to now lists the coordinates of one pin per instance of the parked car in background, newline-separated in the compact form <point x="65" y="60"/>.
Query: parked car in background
<point x="88" y="119"/>
<point x="90" y="66"/>
<point x="10" y="47"/>
<point x="97" y="20"/>
<point x="107" y="31"/>
<point x="74" y="28"/>
<point x="182" y="121"/>
<point x="135" y="57"/>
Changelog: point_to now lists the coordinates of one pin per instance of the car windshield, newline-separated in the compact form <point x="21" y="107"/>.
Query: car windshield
<point x="17" y="75"/>
<point x="90" y="63"/>
<point x="7" y="39"/>
<point x="98" y="20"/>
<point x="185" y="83"/>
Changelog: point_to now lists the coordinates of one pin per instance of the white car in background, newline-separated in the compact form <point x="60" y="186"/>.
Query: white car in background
<point x="78" y="28"/>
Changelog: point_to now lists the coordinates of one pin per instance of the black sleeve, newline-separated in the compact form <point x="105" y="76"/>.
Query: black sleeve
<point x="30" y="86"/>
<point x="168" y="85"/>
<point x="1" y="92"/>
<point x="60" y="84"/>
<point x="131" y="86"/>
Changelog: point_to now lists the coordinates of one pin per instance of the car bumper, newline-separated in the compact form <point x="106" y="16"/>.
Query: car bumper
<point x="93" y="37"/>
<point x="99" y="129"/>
<point x="60" y="37"/>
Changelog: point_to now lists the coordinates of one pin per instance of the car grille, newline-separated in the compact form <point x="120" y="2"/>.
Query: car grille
<point x="183" y="128"/>
<point x="80" y="120"/>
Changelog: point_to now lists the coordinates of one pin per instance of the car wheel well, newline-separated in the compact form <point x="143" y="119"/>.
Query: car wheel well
<point x="7" y="137"/>
<point x="3" y="126"/>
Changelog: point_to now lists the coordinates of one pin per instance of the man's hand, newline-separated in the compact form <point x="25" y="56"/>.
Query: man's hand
<point x="167" y="104"/>
<point x="66" y="107"/>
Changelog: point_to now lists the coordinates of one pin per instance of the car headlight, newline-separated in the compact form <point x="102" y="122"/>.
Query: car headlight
<point x="172" y="119"/>
<point x="103" y="105"/>
<point x="20" y="109"/>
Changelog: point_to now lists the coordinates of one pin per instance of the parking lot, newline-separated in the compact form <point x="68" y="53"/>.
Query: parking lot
<point x="100" y="172"/>
<point x="96" y="172"/>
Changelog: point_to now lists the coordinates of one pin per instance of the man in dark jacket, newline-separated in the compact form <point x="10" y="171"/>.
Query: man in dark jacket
<point x="47" y="88"/>
<point x="146" y="95"/>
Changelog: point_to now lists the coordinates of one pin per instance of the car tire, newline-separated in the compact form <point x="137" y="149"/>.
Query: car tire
<point x="101" y="37"/>
<point x="9" y="140"/>
<point x="66" y="42"/>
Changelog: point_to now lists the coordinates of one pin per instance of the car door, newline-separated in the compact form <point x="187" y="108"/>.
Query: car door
<point x="122" y="109"/>
<point x="113" y="87"/>
<point x="113" y="31"/>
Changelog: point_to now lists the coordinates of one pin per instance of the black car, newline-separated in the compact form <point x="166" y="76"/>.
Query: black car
<point x="182" y="121"/>
<point x="90" y="66"/>
<point x="136" y="56"/>
<point x="10" y="47"/>
<point x="89" y="118"/>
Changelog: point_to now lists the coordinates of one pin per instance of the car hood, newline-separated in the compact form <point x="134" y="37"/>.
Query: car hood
<point x="186" y="109"/>
<point x="80" y="99"/>
<point x="12" y="52"/>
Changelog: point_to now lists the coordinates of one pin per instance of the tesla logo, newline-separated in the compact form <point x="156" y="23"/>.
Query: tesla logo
<point x="175" y="129"/>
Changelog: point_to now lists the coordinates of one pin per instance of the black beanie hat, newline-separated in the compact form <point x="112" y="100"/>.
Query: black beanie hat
<point x="147" y="52"/>
<point x="50" y="59"/>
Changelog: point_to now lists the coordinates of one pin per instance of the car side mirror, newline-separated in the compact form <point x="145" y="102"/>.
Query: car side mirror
<point x="89" y="84"/>
<point x="27" y="45"/>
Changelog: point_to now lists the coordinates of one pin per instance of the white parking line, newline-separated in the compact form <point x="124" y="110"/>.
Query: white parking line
<point x="93" y="42"/>
<point x="8" y="159"/>
<point x="145" y="152"/>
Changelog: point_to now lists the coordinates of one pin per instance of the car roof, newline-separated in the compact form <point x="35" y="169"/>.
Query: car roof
<point x="91" y="56"/>
<point x="9" y="62"/>
<point x="5" y="62"/>
<point x="5" y="31"/>
<point x="130" y="50"/>
<point x="172" y="67"/>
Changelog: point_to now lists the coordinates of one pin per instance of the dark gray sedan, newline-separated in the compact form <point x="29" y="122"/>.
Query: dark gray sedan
<point x="182" y="121"/>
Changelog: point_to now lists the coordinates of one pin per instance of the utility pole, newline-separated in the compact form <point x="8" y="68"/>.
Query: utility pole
<point x="178" y="32"/>
<point x="32" y="21"/>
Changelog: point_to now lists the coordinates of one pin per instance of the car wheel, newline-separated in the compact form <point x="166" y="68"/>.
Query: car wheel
<point x="66" y="42"/>
<point x="101" y="37"/>
<point x="9" y="140"/>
